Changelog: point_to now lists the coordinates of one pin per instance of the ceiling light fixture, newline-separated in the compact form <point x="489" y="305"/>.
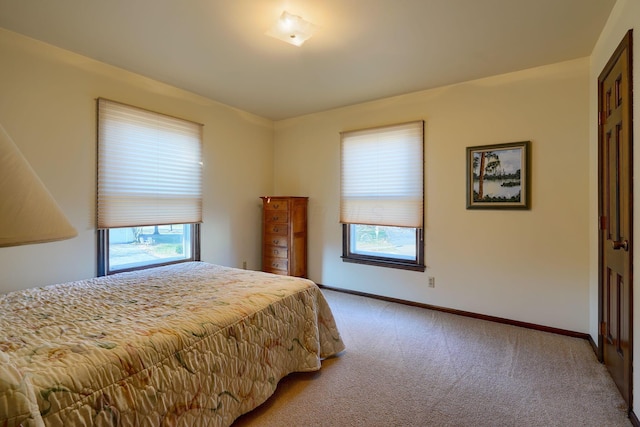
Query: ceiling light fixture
<point x="292" y="29"/>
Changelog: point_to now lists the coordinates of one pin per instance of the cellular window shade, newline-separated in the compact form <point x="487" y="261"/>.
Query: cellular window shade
<point x="382" y="178"/>
<point x="149" y="168"/>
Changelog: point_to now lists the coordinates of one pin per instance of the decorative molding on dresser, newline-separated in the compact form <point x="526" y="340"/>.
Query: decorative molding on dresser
<point x="284" y="235"/>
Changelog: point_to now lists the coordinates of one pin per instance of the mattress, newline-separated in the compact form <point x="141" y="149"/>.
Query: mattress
<point x="191" y="344"/>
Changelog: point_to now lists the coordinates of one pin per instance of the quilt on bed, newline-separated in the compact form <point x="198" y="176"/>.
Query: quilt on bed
<point x="187" y="344"/>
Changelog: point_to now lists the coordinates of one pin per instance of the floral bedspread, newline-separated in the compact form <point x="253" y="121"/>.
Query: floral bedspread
<point x="188" y="344"/>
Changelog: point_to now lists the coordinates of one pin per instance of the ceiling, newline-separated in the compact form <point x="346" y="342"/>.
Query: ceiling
<point x="363" y="50"/>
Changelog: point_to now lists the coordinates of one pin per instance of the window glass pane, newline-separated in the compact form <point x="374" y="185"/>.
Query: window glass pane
<point x="383" y="241"/>
<point x="131" y="247"/>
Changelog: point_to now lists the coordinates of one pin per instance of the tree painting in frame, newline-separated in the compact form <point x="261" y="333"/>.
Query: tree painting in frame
<point x="498" y="176"/>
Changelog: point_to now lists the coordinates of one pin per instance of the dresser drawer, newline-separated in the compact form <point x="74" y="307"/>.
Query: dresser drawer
<point x="276" y="240"/>
<point x="276" y="252"/>
<point x="276" y="265"/>
<point x="276" y="217"/>
<point x="276" y="205"/>
<point x="277" y="229"/>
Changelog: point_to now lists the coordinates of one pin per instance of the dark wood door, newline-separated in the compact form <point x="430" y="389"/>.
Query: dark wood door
<point x="616" y="216"/>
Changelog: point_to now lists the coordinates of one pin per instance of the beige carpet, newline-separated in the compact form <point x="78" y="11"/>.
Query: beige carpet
<point x="408" y="366"/>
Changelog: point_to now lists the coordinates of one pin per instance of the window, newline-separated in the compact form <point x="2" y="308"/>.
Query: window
<point x="131" y="248"/>
<point x="382" y="196"/>
<point x="149" y="188"/>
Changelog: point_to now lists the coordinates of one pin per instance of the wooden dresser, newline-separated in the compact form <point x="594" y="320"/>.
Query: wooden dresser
<point x="284" y="235"/>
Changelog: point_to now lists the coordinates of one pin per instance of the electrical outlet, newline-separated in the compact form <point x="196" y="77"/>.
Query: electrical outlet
<point x="244" y="265"/>
<point x="432" y="282"/>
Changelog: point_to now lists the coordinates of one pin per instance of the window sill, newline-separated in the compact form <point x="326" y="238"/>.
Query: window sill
<point x="382" y="262"/>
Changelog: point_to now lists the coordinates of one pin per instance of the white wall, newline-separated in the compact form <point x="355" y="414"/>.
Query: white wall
<point x="47" y="105"/>
<point x="531" y="266"/>
<point x="625" y="16"/>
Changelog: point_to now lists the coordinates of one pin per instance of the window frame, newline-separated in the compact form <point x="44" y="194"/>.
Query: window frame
<point x="348" y="232"/>
<point x="104" y="269"/>
<point x="151" y="125"/>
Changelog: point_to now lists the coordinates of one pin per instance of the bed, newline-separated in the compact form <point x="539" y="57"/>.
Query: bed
<point x="191" y="344"/>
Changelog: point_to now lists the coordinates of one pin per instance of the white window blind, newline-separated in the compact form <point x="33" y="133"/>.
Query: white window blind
<point x="149" y="168"/>
<point x="382" y="178"/>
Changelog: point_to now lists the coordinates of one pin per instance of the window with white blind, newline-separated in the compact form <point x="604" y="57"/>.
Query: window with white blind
<point x="382" y="196"/>
<point x="149" y="203"/>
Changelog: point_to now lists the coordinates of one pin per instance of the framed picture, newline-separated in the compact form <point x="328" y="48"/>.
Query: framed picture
<point x="498" y="176"/>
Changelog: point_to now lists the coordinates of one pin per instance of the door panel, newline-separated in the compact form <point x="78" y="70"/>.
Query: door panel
<point x="615" y="207"/>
